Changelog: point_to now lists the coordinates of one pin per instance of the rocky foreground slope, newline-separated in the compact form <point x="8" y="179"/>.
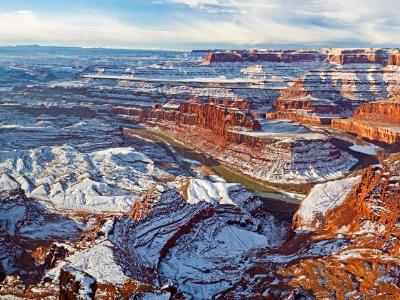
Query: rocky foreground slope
<point x="204" y="239"/>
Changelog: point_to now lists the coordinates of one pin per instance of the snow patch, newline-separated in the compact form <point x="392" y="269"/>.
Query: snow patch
<point x="212" y="192"/>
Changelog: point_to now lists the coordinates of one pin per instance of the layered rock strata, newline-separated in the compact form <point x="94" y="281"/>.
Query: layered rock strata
<point x="217" y="115"/>
<point x="286" y="56"/>
<point x="377" y="121"/>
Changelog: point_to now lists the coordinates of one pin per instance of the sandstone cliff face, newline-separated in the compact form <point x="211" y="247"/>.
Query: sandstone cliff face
<point x="216" y="115"/>
<point x="357" y="56"/>
<point x="381" y="132"/>
<point x="373" y="205"/>
<point x="378" y="121"/>
<point x="301" y="118"/>
<point x="296" y="104"/>
<point x="219" y="118"/>
<point x="379" y="111"/>
<point x="394" y="58"/>
<point x="286" y="104"/>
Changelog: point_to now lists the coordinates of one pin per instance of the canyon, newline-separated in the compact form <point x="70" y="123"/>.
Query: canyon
<point x="265" y="174"/>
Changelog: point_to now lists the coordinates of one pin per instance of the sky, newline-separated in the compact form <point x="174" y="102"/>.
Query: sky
<point x="201" y="24"/>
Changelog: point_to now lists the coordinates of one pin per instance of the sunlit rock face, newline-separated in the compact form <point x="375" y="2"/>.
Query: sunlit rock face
<point x="378" y="121"/>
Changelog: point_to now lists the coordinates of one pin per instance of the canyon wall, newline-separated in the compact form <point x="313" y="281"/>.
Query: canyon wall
<point x="218" y="115"/>
<point x="380" y="111"/>
<point x="222" y="57"/>
<point x="297" y="104"/>
<point x="356" y="56"/>
<point x="287" y="56"/>
<point x="394" y="58"/>
<point x="378" y="121"/>
<point x="300" y="118"/>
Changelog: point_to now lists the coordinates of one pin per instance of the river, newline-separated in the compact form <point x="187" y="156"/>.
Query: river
<point x="279" y="201"/>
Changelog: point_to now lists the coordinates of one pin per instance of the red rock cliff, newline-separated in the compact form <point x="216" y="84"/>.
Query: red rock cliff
<point x="287" y="56"/>
<point x="379" y="121"/>
<point x="296" y="104"/>
<point x="216" y="115"/>
<point x="380" y="111"/>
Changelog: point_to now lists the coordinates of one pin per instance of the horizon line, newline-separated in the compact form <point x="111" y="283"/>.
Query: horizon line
<point x="299" y="47"/>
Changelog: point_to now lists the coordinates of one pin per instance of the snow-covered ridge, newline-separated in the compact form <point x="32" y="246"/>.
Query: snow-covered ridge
<point x="323" y="198"/>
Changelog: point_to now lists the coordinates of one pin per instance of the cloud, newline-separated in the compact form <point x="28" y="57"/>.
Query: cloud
<point x="306" y="21"/>
<point x="211" y="23"/>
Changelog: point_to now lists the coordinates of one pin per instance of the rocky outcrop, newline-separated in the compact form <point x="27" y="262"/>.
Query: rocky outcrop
<point x="297" y="104"/>
<point x="285" y="104"/>
<point x="373" y="205"/>
<point x="193" y="231"/>
<point x="368" y="218"/>
<point x="76" y="285"/>
<point x="351" y="247"/>
<point x="378" y="121"/>
<point x="380" y="132"/>
<point x="379" y="111"/>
